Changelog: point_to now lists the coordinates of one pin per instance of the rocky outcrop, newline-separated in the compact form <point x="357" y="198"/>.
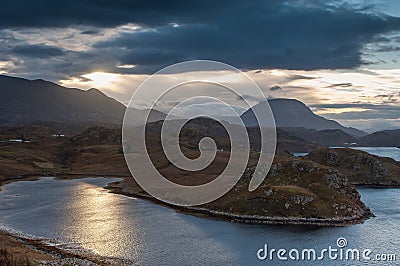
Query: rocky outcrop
<point x="359" y="167"/>
<point x="295" y="189"/>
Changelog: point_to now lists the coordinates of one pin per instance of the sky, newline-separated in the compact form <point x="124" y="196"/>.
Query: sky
<point x="339" y="57"/>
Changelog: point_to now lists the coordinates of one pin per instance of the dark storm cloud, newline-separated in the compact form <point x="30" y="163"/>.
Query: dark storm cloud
<point x="298" y="77"/>
<point x="258" y="35"/>
<point x="103" y="13"/>
<point x="275" y="88"/>
<point x="344" y="85"/>
<point x="90" y="32"/>
<point x="40" y="51"/>
<point x="247" y="34"/>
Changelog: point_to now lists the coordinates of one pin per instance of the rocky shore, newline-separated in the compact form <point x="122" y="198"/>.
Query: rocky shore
<point x="363" y="214"/>
<point x="20" y="250"/>
<point x="26" y="251"/>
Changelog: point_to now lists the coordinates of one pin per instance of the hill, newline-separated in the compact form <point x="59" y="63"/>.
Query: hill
<point x="386" y="138"/>
<point x="325" y="137"/>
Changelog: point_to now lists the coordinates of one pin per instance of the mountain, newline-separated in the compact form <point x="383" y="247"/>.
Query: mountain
<point x="293" y="113"/>
<point x="40" y="102"/>
<point x="386" y="138"/>
<point x="23" y="101"/>
<point x="70" y="110"/>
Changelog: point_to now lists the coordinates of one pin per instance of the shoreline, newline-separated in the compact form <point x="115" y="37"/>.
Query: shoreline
<point x="209" y="213"/>
<point x="52" y="253"/>
<point x="248" y="219"/>
<point x="63" y="176"/>
<point x="377" y="186"/>
<point x="39" y="252"/>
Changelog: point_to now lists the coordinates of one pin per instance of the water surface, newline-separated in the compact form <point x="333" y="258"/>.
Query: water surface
<point x="82" y="213"/>
<point x="391" y="152"/>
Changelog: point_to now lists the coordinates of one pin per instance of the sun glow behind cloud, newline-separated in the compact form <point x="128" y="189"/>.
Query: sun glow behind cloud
<point x="6" y="66"/>
<point x="101" y="79"/>
<point x="357" y="88"/>
<point x="332" y="86"/>
<point x="323" y="111"/>
<point x="312" y="87"/>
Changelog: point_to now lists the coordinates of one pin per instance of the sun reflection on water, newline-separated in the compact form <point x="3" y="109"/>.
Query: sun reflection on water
<point x="90" y="221"/>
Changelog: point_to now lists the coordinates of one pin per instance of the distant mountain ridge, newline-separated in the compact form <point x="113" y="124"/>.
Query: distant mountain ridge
<point x="24" y="101"/>
<point x="291" y="113"/>
<point x="40" y="102"/>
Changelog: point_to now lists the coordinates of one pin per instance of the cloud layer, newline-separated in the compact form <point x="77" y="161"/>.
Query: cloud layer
<point x="258" y="34"/>
<point x="320" y="52"/>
